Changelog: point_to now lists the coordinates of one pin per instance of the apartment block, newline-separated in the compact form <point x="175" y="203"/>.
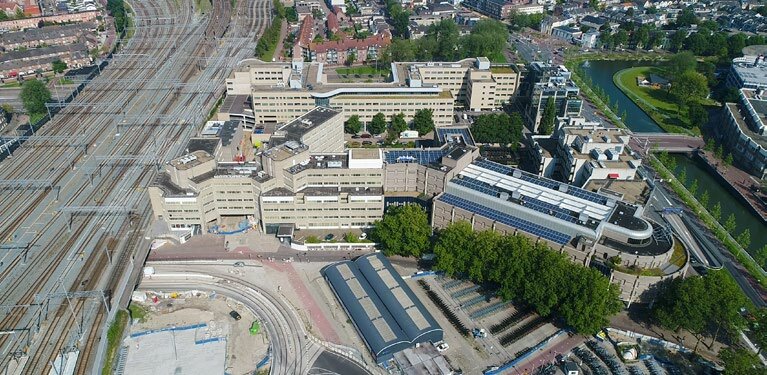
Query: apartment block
<point x="546" y="82"/>
<point x="745" y="131"/>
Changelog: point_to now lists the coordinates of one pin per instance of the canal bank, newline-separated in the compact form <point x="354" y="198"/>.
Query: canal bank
<point x="600" y="73"/>
<point x="720" y="192"/>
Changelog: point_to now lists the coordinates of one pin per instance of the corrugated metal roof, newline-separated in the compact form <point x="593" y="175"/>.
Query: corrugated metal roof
<point x="384" y="309"/>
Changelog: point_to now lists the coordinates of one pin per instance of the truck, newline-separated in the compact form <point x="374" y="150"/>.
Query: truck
<point x="408" y="134"/>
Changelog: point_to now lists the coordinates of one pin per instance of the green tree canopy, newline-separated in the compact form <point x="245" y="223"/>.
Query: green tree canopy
<point x="689" y="87"/>
<point x="698" y="115"/>
<point x="423" y="122"/>
<point x="498" y="128"/>
<point x="378" y="124"/>
<point x="398" y="123"/>
<point x="34" y="95"/>
<point x="741" y="362"/>
<point x="353" y="125"/>
<point x="58" y="66"/>
<point x="404" y="230"/>
<point x="548" y="117"/>
<point x="679" y="63"/>
<point x="487" y="38"/>
<point x="529" y="272"/>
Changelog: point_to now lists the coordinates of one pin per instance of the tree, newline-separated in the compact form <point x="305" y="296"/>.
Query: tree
<point x="487" y="38"/>
<point x="351" y="58"/>
<point x="401" y="50"/>
<point x="740" y="362"/>
<point x="686" y="18"/>
<point x="716" y="211"/>
<point x="444" y="38"/>
<point x="621" y="37"/>
<point x="677" y="40"/>
<point x="682" y="176"/>
<point x="291" y="15"/>
<point x="548" y="117"/>
<point x="404" y="230"/>
<point x="378" y="124"/>
<point x="730" y="224"/>
<point x="693" y="187"/>
<point x="353" y="125"/>
<point x="719" y="152"/>
<point x="683" y="304"/>
<point x="58" y="66"/>
<point x="761" y="258"/>
<point x="498" y="128"/>
<point x="744" y="238"/>
<point x="606" y="38"/>
<point x="728" y="159"/>
<point x="398" y="123"/>
<point x="34" y="95"/>
<point x="630" y="12"/>
<point x="423" y="121"/>
<point x="679" y="63"/>
<point x="726" y="299"/>
<point x="689" y="87"/>
<point x="704" y="198"/>
<point x="642" y="36"/>
<point x="710" y="145"/>
<point x="759" y="328"/>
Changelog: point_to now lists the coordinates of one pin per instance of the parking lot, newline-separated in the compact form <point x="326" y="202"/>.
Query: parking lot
<point x="507" y="331"/>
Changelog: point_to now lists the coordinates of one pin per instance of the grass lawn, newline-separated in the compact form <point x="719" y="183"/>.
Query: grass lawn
<point x="12" y="84"/>
<point x="498" y="58"/>
<point x="657" y="103"/>
<point x="138" y="312"/>
<point x="114" y="336"/>
<point x="365" y="70"/>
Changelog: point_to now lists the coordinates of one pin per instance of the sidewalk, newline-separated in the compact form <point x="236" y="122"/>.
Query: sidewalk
<point x="740" y="180"/>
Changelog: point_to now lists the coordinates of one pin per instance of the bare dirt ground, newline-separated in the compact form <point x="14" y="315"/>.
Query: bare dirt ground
<point x="243" y="350"/>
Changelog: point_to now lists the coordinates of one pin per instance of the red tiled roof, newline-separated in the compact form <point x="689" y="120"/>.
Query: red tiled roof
<point x="381" y="39"/>
<point x="306" y="31"/>
<point x="333" y="22"/>
<point x="32" y="10"/>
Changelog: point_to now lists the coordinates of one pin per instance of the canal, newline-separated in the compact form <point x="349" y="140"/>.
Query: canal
<point x="696" y="170"/>
<point x="601" y="74"/>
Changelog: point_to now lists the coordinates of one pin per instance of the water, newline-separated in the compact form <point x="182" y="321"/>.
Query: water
<point x="601" y="73"/>
<point x="696" y="169"/>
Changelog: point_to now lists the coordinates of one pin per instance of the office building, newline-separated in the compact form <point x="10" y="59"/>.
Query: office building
<point x="749" y="71"/>
<point x="546" y="82"/>
<point x="745" y="131"/>
<point x="280" y="92"/>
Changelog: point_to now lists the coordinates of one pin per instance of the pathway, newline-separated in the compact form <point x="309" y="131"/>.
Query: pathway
<point x="740" y="181"/>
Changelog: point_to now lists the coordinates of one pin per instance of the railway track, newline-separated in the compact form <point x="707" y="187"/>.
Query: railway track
<point x="66" y="252"/>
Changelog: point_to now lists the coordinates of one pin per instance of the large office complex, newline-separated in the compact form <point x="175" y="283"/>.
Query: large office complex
<point x="383" y="309"/>
<point x="749" y="71"/>
<point x="545" y="82"/>
<point x="745" y="131"/>
<point x="300" y="176"/>
<point x="273" y="93"/>
<point x="591" y="228"/>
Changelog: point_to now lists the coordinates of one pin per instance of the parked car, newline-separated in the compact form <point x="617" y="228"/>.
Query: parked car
<point x="235" y="315"/>
<point x="366" y="136"/>
<point x="356" y="136"/>
<point x="239" y="264"/>
<point x="442" y="346"/>
<point x="330" y="237"/>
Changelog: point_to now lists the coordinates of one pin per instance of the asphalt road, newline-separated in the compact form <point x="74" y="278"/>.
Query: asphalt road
<point x="664" y="199"/>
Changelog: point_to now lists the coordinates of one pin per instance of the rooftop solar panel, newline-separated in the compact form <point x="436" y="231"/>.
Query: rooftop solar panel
<point x="376" y="264"/>
<point x="414" y="156"/>
<point x="515" y="222"/>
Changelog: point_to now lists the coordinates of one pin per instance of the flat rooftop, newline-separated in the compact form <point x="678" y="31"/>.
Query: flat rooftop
<point x="339" y="161"/>
<point x="296" y="129"/>
<point x="598" y="135"/>
<point x="457" y="135"/>
<point x="208" y="145"/>
<point x="659" y="243"/>
<point x="636" y="191"/>
<point x="364" y="153"/>
<point x="735" y="111"/>
<point x="755" y="74"/>
<point x="239" y="104"/>
<point x="191" y="160"/>
<point x="324" y="191"/>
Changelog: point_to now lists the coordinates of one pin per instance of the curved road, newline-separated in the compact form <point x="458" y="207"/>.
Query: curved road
<point x="286" y="334"/>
